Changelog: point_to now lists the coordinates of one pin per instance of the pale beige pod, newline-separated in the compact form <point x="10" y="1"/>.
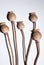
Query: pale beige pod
<point x="20" y="25"/>
<point x="11" y="16"/>
<point x="1" y="23"/>
<point x="33" y="17"/>
<point x="4" y="28"/>
<point x="37" y="35"/>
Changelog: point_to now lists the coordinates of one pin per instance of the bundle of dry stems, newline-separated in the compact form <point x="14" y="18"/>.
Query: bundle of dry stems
<point x="35" y="35"/>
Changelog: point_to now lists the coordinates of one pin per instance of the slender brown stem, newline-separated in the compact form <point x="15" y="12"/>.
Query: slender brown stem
<point x="34" y="25"/>
<point x="15" y="42"/>
<point x="38" y="52"/>
<point x="8" y="50"/>
<point x="11" y="50"/>
<point x="23" y="44"/>
<point x="28" y="50"/>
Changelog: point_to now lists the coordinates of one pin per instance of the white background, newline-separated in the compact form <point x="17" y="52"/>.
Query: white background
<point x="22" y="8"/>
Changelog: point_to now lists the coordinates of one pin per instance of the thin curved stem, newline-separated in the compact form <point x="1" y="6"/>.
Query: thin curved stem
<point x="28" y="50"/>
<point x="11" y="50"/>
<point x="38" y="52"/>
<point x="8" y="49"/>
<point x="15" y="42"/>
<point x="23" y="45"/>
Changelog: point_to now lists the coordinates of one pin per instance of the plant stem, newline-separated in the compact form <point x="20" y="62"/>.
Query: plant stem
<point x="23" y="45"/>
<point x="28" y="50"/>
<point x="11" y="50"/>
<point x="38" y="52"/>
<point x="34" y="25"/>
<point x="15" y="42"/>
<point x="8" y="49"/>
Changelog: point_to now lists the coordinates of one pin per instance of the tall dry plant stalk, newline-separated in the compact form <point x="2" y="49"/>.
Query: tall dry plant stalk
<point x="35" y="35"/>
<point x="4" y="29"/>
<point x="11" y="17"/>
<point x="20" y="26"/>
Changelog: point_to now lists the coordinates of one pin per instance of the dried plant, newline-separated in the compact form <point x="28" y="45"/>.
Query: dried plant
<point x="20" y="26"/>
<point x="35" y="35"/>
<point x="11" y="17"/>
<point x="4" y="29"/>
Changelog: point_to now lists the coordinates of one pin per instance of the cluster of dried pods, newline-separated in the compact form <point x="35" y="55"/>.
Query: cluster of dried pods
<point x="35" y="35"/>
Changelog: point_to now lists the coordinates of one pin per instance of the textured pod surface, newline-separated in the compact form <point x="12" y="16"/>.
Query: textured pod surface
<point x="11" y="16"/>
<point x="33" y="17"/>
<point x="20" y="25"/>
<point x="4" y="28"/>
<point x="37" y="35"/>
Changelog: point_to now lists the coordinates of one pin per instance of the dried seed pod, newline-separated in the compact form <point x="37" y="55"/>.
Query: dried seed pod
<point x="4" y="28"/>
<point x="20" y="25"/>
<point x="1" y="23"/>
<point x="36" y="35"/>
<point x="11" y="16"/>
<point x="33" y="17"/>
